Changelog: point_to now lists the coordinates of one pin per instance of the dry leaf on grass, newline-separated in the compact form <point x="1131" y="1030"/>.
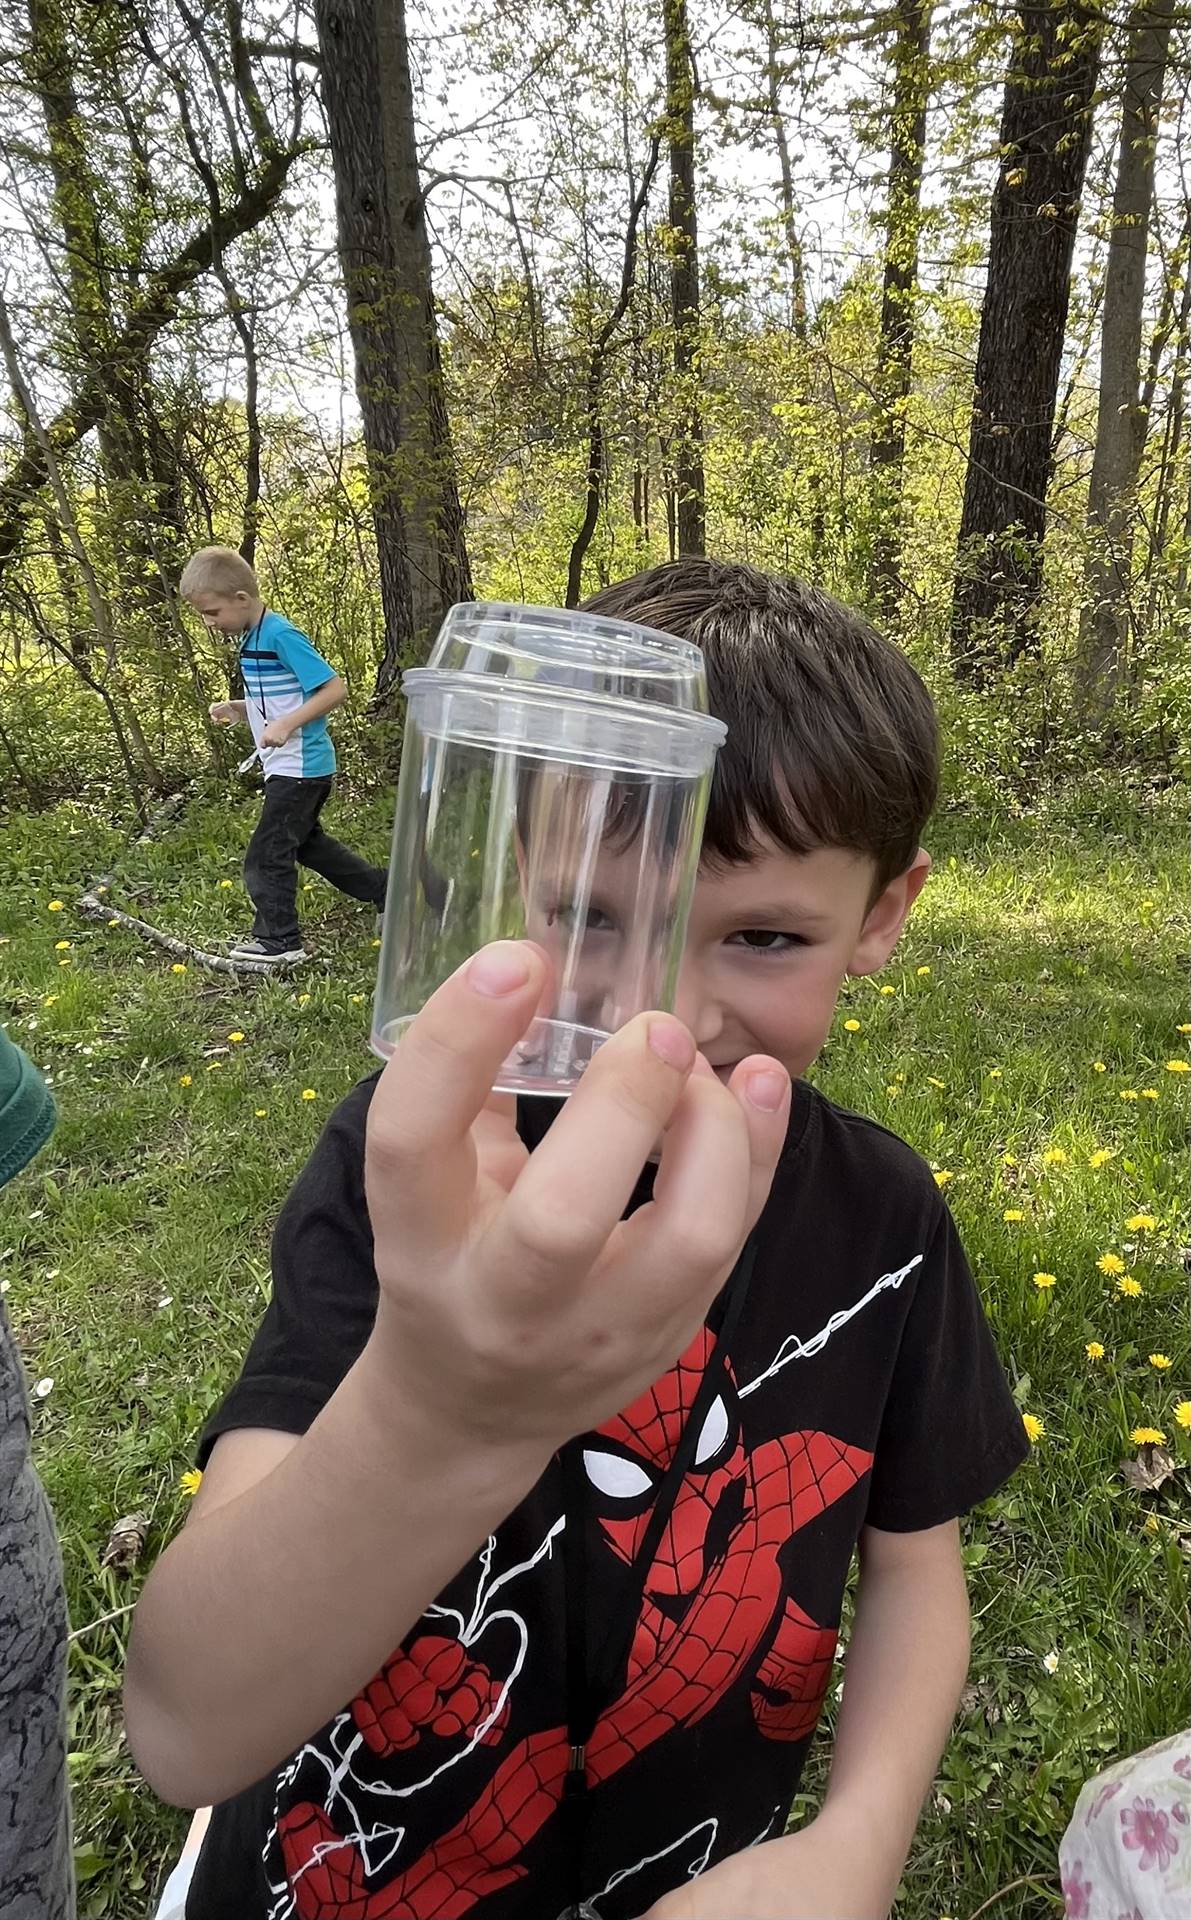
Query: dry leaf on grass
<point x="126" y="1542"/>
<point x="1151" y="1468"/>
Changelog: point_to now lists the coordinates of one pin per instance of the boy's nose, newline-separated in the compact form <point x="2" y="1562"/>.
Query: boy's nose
<point x="697" y="1009"/>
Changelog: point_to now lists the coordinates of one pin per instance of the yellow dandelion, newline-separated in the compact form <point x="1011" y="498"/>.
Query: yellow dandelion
<point x="1054" y="1157"/>
<point x="1035" y="1428"/>
<point x="1102" y="1156"/>
<point x="932" y="1082"/>
<point x="922" y="972"/>
<point x="1159" y="1361"/>
<point x="261" y="1112"/>
<point x="1045" y="1281"/>
<point x="55" y="906"/>
<point x="1094" y="1350"/>
<point x="887" y="990"/>
<point x="893" y="1092"/>
<point x="1129" y="1093"/>
<point x="376" y="943"/>
<point x="1182" y="1414"/>
<point x="1141" y="1223"/>
<point x="60" y="946"/>
<point x="49" y="1000"/>
<point x="225" y="885"/>
<point x="1013" y="1213"/>
<point x="1007" y="1160"/>
<point x="1129" y="1288"/>
<point x="943" y="1176"/>
<point x="235" y="1038"/>
<point x="994" y="1073"/>
<point x="1178" y="1066"/>
<point x="1148" y="1437"/>
<point x="1149" y="1093"/>
<point x="851" y="1026"/>
<point x="113" y="922"/>
<point x="1184" y="1026"/>
<point x="356" y="998"/>
<point x="1151" y="1523"/>
<point x="190" y="1482"/>
<point x="65" y="962"/>
<point x="308" y="1093"/>
<point x="179" y="966"/>
<point x="185" y="1079"/>
<point x="1111" y="1263"/>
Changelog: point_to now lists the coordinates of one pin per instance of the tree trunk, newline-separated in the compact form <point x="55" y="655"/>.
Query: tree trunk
<point x="1045" y="133"/>
<point x="601" y="347"/>
<point x="777" y="120"/>
<point x="152" y="310"/>
<point x="1120" y="422"/>
<point x="385" y="254"/>
<point x="139" y="532"/>
<point x="684" y="279"/>
<point x="911" y="89"/>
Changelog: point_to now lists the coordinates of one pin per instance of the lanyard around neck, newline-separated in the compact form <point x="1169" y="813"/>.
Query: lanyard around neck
<point x="253" y="640"/>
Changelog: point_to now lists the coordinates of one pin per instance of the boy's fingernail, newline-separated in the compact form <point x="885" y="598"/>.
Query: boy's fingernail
<point x="672" y="1043"/>
<point x="498" y="969"/>
<point x="767" y="1089"/>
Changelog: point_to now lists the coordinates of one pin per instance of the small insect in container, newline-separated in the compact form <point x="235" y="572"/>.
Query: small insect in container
<point x="555" y="771"/>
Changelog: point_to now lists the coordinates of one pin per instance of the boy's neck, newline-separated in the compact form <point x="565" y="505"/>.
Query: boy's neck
<point x="255" y="612"/>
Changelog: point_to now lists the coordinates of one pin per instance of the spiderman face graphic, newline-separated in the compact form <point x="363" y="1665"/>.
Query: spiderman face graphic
<point x="625" y="1464"/>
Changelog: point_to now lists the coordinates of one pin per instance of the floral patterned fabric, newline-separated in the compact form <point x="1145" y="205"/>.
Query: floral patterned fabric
<point x="1127" y="1852"/>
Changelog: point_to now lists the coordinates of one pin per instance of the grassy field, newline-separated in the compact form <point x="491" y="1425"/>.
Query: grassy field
<point x="1029" y="1039"/>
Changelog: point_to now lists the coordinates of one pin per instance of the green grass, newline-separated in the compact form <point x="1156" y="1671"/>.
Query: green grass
<point x="1049" y="949"/>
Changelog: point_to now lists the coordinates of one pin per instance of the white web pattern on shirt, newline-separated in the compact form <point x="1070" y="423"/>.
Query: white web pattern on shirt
<point x="698" y="1864"/>
<point x="792" y="1348"/>
<point x="379" y="1845"/>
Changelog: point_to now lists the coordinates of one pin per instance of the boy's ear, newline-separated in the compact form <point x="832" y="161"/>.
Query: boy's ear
<point x="887" y="916"/>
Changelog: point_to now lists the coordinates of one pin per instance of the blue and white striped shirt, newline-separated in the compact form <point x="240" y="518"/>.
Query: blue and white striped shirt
<point x="281" y="670"/>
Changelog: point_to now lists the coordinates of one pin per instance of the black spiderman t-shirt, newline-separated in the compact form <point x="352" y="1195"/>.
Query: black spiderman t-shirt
<point x="862" y="1388"/>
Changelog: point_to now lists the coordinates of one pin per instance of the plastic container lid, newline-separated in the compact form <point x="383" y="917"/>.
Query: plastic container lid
<point x="545" y="722"/>
<point x="570" y="649"/>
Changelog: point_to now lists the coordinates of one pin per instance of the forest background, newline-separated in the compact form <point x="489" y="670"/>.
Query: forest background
<point x="411" y="303"/>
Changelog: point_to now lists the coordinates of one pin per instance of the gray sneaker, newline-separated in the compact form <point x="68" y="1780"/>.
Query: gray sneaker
<point x="256" y="951"/>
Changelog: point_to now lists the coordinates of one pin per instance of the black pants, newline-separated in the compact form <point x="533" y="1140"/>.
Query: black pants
<point x="288" y="834"/>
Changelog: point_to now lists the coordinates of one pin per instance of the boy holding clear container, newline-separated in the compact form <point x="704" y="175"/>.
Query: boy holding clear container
<point x="553" y="1450"/>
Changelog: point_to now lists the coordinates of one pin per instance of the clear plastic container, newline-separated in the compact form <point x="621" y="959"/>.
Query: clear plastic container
<point x="554" y="777"/>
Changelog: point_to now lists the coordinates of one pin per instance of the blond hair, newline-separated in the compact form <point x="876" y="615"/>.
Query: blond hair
<point x="218" y="570"/>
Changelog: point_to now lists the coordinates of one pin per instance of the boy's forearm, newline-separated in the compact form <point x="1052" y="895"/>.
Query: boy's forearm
<point x="905" y="1667"/>
<point x="269" y="1613"/>
<point x="330" y="695"/>
<point x="903" y="1675"/>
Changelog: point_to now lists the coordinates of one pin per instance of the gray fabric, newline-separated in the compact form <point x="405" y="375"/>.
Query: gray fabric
<point x="36" y="1870"/>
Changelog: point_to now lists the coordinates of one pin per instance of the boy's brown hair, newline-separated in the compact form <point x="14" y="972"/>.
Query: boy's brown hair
<point x="832" y="737"/>
<point x="218" y="570"/>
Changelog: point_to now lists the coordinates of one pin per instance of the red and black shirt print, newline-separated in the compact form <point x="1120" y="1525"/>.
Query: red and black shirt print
<point x="862" y="1388"/>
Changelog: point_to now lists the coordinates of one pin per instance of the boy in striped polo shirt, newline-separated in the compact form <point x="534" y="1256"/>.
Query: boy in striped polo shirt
<point x="289" y="691"/>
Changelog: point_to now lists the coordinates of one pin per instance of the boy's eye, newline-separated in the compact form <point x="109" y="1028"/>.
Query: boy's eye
<point x="595" y="920"/>
<point x="766" y="940"/>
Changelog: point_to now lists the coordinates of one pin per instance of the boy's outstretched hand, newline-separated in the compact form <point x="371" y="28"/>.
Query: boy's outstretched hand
<point x="516" y="1307"/>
